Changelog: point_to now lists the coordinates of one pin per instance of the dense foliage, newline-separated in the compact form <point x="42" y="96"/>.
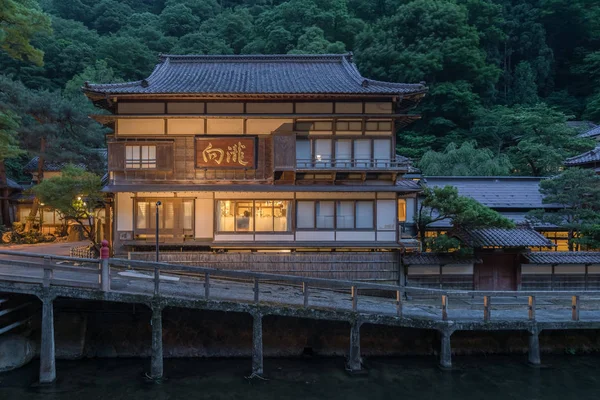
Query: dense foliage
<point x="503" y="73"/>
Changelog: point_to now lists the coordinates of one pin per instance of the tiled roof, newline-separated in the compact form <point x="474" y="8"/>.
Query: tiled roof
<point x="518" y="217"/>
<point x="495" y="192"/>
<point x="256" y="74"/>
<point x="592" y="133"/>
<point x="585" y="158"/>
<point x="436" y="258"/>
<point x="501" y="237"/>
<point x="408" y="184"/>
<point x="50" y="166"/>
<point x="563" y="257"/>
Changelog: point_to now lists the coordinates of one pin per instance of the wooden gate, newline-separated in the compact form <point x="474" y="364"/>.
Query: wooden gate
<point x="498" y="271"/>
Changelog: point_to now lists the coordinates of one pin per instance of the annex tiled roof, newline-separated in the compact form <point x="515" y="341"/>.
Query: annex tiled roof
<point x="495" y="192"/>
<point x="436" y="259"/>
<point x="518" y="217"/>
<point x="256" y="74"/>
<point x="501" y="237"/>
<point x="591" y="133"/>
<point x="50" y="166"/>
<point x="563" y="257"/>
<point x="585" y="158"/>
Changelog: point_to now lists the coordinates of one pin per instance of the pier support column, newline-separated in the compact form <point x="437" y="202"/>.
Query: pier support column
<point x="257" y="345"/>
<point x="354" y="362"/>
<point x="445" y="350"/>
<point x="156" y="361"/>
<point x="533" y="354"/>
<point x="47" y="353"/>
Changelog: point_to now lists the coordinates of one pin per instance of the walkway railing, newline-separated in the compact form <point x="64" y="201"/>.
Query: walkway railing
<point x="45" y="270"/>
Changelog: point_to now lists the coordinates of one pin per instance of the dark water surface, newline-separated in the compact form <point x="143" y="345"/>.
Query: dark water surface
<point x="561" y="377"/>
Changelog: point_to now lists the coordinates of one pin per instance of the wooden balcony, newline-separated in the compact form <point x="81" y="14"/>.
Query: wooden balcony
<point x="357" y="164"/>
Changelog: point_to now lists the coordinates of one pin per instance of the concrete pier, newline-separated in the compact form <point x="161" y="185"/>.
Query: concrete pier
<point x="156" y="362"/>
<point x="445" y="350"/>
<point x="257" y="345"/>
<point x="533" y="354"/>
<point x="47" y="353"/>
<point x="354" y="362"/>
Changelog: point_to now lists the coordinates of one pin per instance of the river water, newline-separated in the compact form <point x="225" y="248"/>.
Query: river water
<point x="561" y="377"/>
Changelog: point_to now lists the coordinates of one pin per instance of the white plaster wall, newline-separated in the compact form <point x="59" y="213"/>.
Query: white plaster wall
<point x="459" y="269"/>
<point x="569" y="269"/>
<point x="386" y="236"/>
<point x="234" y="238"/>
<point x="218" y="126"/>
<point x="315" y="236"/>
<point x="191" y="126"/>
<point x="140" y="126"/>
<point x="124" y="211"/>
<point x="423" y="270"/>
<point x="532" y="269"/>
<point x="350" y="236"/>
<point x="204" y="223"/>
<point x="273" y="238"/>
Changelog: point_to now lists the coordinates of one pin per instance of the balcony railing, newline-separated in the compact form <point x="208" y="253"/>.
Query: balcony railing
<point x="356" y="164"/>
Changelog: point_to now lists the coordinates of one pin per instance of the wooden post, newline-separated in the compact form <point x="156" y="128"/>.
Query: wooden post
<point x="531" y="308"/>
<point x="575" y="308"/>
<point x="206" y="285"/>
<point x="354" y="298"/>
<point x="486" y="308"/>
<point x="256" y="290"/>
<point x="399" y="303"/>
<point x="47" y="354"/>
<point x="354" y="362"/>
<point x="305" y="292"/>
<point x="156" y="362"/>
<point x="445" y="350"/>
<point x="444" y="307"/>
<point x="257" y="345"/>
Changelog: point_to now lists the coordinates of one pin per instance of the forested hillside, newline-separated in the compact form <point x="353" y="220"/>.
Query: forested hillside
<point x="504" y="75"/>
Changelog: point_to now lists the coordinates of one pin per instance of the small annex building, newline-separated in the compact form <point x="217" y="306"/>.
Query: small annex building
<point x="575" y="270"/>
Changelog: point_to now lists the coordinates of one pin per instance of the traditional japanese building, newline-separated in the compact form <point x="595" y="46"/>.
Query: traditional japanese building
<point x="258" y="152"/>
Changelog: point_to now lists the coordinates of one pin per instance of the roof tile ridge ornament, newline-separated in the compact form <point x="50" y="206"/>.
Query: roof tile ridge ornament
<point x="251" y="57"/>
<point x="352" y="69"/>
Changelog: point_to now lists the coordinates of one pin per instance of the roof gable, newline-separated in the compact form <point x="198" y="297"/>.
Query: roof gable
<point x="256" y="74"/>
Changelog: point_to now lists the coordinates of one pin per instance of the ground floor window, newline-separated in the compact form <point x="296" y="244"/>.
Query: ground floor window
<point x="340" y="214"/>
<point x="175" y="216"/>
<point x="253" y="216"/>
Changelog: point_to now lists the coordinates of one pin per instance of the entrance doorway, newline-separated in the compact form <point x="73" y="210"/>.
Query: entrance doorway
<point x="498" y="271"/>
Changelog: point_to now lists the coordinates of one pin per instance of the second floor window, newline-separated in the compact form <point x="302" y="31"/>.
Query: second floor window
<point x="140" y="157"/>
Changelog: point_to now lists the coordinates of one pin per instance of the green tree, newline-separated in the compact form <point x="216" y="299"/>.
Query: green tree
<point x="536" y="139"/>
<point x="177" y="20"/>
<point x="99" y="72"/>
<point x="577" y="193"/>
<point x="466" y="160"/>
<point x="20" y="21"/>
<point x="462" y="212"/>
<point x="77" y="195"/>
<point x="9" y="148"/>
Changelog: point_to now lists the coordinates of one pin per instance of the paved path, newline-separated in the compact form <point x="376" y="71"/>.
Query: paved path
<point x="60" y="248"/>
<point x="190" y="287"/>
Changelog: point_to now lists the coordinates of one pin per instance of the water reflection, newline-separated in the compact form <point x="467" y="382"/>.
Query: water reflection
<point x="561" y="377"/>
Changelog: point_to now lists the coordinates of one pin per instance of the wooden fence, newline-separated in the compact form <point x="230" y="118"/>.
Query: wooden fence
<point x="355" y="266"/>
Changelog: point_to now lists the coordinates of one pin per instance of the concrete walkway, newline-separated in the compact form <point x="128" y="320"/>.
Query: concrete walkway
<point x="60" y="248"/>
<point x="192" y="288"/>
